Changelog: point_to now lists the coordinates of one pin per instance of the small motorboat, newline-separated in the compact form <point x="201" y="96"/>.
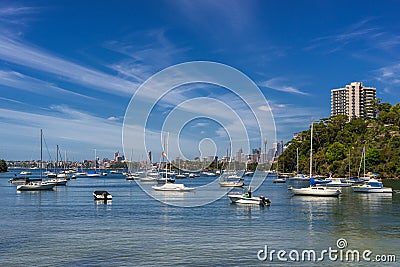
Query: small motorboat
<point x="231" y="184"/>
<point x="337" y="182"/>
<point x="279" y="180"/>
<point x="147" y="179"/>
<point x="246" y="198"/>
<point x="51" y="174"/>
<point x="19" y="180"/>
<point x="102" y="195"/>
<point x="180" y="176"/>
<point x="93" y="174"/>
<point x="58" y="181"/>
<point x="299" y="177"/>
<point x="165" y="180"/>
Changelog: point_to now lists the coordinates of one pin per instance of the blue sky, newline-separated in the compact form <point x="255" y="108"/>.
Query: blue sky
<point x="71" y="67"/>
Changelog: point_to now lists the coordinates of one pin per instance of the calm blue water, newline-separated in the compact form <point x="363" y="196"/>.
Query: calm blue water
<point x="65" y="227"/>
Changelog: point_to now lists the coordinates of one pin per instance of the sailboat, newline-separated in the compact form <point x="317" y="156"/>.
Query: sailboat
<point x="167" y="186"/>
<point x="230" y="178"/>
<point x="60" y="178"/>
<point x="147" y="177"/>
<point x="180" y="175"/>
<point x="299" y="176"/>
<point x="313" y="189"/>
<point x="372" y="185"/>
<point x="95" y="173"/>
<point x="280" y="179"/>
<point x="38" y="185"/>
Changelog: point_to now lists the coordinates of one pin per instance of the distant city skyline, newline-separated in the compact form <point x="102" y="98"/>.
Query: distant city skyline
<point x="71" y="68"/>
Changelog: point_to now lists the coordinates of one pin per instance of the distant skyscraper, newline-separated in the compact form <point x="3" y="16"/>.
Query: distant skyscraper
<point x="355" y="100"/>
<point x="238" y="156"/>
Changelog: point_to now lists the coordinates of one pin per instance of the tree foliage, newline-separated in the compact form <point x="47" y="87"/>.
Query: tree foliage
<point x="338" y="143"/>
<point x="3" y="165"/>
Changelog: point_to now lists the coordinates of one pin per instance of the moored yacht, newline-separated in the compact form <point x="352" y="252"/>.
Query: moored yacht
<point x="314" y="190"/>
<point x="172" y="187"/>
<point x="35" y="186"/>
<point x="320" y="191"/>
<point x="337" y="182"/>
<point x="58" y="181"/>
<point x="372" y="186"/>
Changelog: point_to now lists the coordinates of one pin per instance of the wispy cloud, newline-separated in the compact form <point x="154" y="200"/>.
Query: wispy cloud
<point x="61" y="124"/>
<point x="235" y="15"/>
<point x="20" y="53"/>
<point x="14" y="14"/>
<point x="20" y="81"/>
<point x="10" y="100"/>
<point x="389" y="76"/>
<point x="152" y="53"/>
<point x="280" y="84"/>
<point x="114" y="118"/>
<point x="353" y="33"/>
<point x="366" y="34"/>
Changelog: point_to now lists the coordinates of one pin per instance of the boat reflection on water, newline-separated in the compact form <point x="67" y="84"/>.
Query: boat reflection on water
<point x="375" y="201"/>
<point x="102" y="202"/>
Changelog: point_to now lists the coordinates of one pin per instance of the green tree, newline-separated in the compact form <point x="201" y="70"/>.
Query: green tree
<point x="335" y="152"/>
<point x="3" y="165"/>
<point x="372" y="157"/>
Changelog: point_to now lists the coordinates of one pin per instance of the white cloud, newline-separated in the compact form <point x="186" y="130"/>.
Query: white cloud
<point x="20" y="81"/>
<point x="279" y="84"/>
<point x="113" y="118"/>
<point x="16" y="52"/>
<point x="72" y="128"/>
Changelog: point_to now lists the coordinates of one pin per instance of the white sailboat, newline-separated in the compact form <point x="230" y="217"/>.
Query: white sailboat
<point x="230" y="178"/>
<point x="314" y="190"/>
<point x="298" y="176"/>
<point x="95" y="173"/>
<point x="180" y="175"/>
<point x="147" y="177"/>
<point x="37" y="185"/>
<point x="167" y="186"/>
<point x="372" y="185"/>
<point x="60" y="178"/>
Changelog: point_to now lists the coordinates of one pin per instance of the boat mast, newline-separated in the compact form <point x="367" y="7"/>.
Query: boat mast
<point x="95" y="161"/>
<point x="65" y="161"/>
<point x="349" y="165"/>
<point x="41" y="153"/>
<point x="55" y="169"/>
<point x="364" y="160"/>
<point x="311" y="150"/>
<point x="297" y="158"/>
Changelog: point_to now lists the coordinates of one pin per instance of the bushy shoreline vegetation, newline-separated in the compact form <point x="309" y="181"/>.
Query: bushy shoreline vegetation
<point x="3" y="165"/>
<point x="338" y="142"/>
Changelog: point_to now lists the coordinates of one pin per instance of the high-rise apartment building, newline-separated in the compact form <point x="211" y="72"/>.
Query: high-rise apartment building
<point x="355" y="100"/>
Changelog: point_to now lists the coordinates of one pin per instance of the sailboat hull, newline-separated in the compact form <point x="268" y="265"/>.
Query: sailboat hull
<point x="36" y="186"/>
<point x="361" y="189"/>
<point x="316" y="191"/>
